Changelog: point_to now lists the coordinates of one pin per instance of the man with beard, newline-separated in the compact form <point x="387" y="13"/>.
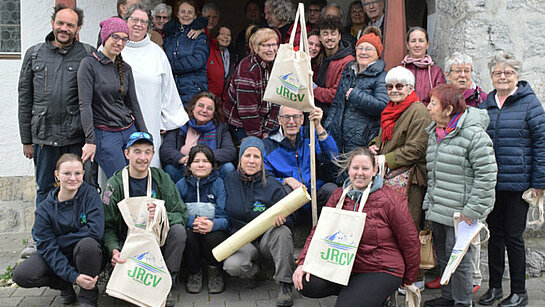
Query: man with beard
<point x="337" y="55"/>
<point x="49" y="118"/>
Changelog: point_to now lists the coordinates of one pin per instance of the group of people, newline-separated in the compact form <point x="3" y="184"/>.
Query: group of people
<point x="226" y="155"/>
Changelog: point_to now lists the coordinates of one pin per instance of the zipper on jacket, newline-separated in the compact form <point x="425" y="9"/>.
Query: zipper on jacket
<point x="45" y="79"/>
<point x="298" y="166"/>
<point x="198" y="191"/>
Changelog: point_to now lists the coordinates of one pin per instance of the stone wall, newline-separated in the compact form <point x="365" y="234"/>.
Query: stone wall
<point x="480" y="27"/>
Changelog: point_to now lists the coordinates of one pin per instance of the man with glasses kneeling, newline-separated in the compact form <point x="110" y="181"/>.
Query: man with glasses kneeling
<point x="139" y="152"/>
<point x="288" y="153"/>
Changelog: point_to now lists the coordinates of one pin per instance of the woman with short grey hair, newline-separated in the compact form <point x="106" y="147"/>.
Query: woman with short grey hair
<point x="459" y="69"/>
<point x="517" y="128"/>
<point x="161" y="15"/>
<point x="280" y="15"/>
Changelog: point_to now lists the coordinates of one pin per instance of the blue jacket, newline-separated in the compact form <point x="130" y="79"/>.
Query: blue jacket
<point x="355" y="121"/>
<point x="283" y="160"/>
<point x="210" y="190"/>
<point x="187" y="57"/>
<point x="518" y="133"/>
<point x="247" y="200"/>
<point x="58" y="226"/>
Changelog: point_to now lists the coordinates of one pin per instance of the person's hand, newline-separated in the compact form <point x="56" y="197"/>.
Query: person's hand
<point x="151" y="209"/>
<point x="88" y="152"/>
<point x="535" y="192"/>
<point x="116" y="257"/>
<point x="316" y="116"/>
<point x="467" y="220"/>
<point x="197" y="223"/>
<point x="374" y="149"/>
<point x="193" y="34"/>
<point x="348" y="92"/>
<point x="292" y="183"/>
<point x="28" y="151"/>
<point x="86" y="282"/>
<point x="205" y="226"/>
<point x="297" y="278"/>
<point x="162" y="131"/>
<point x="183" y="160"/>
<point x="265" y="135"/>
<point x="279" y="221"/>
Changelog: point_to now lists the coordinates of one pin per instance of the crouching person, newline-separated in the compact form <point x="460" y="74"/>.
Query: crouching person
<point x="68" y="228"/>
<point x="139" y="152"/>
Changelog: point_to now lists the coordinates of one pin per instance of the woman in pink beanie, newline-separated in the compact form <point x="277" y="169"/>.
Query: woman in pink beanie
<point x="108" y="105"/>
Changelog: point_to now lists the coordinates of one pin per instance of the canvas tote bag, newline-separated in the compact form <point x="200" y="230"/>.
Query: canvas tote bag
<point x="290" y="82"/>
<point x="143" y="280"/>
<point x="333" y="248"/>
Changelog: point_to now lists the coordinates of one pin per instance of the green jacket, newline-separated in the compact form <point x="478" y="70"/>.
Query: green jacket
<point x="462" y="170"/>
<point x="115" y="229"/>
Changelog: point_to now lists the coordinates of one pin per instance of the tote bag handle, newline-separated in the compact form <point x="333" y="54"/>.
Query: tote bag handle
<point x="300" y="18"/>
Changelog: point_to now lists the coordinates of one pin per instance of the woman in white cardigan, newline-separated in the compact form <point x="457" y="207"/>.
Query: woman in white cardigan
<point x="155" y="87"/>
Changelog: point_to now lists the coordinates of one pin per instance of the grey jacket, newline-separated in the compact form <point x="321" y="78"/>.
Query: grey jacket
<point x="462" y="170"/>
<point x="48" y="94"/>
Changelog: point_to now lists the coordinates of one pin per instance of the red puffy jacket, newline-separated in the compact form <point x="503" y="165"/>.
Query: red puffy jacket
<point x="390" y="241"/>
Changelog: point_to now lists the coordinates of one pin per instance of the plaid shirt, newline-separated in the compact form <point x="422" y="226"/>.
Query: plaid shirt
<point x="244" y="106"/>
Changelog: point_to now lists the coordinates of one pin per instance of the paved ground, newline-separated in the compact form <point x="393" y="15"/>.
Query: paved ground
<point x="236" y="294"/>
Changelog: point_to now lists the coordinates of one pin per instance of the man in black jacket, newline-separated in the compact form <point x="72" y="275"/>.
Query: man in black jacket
<point x="49" y="118"/>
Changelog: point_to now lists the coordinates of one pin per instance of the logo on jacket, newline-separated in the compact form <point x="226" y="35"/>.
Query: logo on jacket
<point x="341" y="248"/>
<point x="290" y="88"/>
<point x="259" y="207"/>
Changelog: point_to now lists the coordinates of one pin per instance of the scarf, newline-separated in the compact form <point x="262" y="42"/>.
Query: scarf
<point x="442" y="132"/>
<point x="207" y="133"/>
<point x="391" y="113"/>
<point x="420" y="63"/>
<point x="245" y="177"/>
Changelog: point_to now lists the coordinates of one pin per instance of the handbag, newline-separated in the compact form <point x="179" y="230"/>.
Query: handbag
<point x="290" y="81"/>
<point x="336" y="239"/>
<point x="427" y="255"/>
<point x="536" y="215"/>
<point x="397" y="179"/>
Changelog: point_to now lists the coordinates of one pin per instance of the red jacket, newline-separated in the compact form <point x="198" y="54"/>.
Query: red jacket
<point x="327" y="93"/>
<point x="425" y="80"/>
<point x="390" y="241"/>
<point x="215" y="70"/>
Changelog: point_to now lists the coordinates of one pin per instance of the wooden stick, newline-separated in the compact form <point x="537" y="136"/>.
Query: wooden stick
<point x="313" y="173"/>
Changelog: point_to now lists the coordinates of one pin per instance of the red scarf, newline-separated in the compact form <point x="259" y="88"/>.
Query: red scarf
<point x="392" y="112"/>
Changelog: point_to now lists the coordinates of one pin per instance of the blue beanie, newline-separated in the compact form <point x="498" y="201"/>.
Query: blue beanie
<point x="251" y="141"/>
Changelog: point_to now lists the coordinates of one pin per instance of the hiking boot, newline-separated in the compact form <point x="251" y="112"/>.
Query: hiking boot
<point x="215" y="280"/>
<point x="439" y="302"/>
<point x="285" y="296"/>
<point x="194" y="283"/>
<point x="171" y="300"/>
<point x="68" y="296"/>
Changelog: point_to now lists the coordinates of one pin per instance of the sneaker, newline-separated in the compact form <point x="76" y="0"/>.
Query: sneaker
<point x="476" y="288"/>
<point x="285" y="296"/>
<point x="194" y="283"/>
<point x="28" y="251"/>
<point x="439" y="302"/>
<point x="68" y="296"/>
<point x="215" y="280"/>
<point x="434" y="284"/>
<point x="171" y="300"/>
<point x="420" y="285"/>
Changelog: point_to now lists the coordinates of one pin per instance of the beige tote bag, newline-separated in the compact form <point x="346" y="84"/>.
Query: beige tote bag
<point x="290" y="82"/>
<point x="334" y="246"/>
<point x="144" y="279"/>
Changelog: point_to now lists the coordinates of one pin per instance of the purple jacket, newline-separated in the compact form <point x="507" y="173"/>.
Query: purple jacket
<point x="425" y="79"/>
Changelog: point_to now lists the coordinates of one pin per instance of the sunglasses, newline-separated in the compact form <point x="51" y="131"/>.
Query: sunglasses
<point x="398" y="86"/>
<point x="139" y="135"/>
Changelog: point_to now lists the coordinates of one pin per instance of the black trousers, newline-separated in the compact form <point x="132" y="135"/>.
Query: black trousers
<point x="199" y="247"/>
<point x="363" y="289"/>
<point x="86" y="258"/>
<point x="507" y="223"/>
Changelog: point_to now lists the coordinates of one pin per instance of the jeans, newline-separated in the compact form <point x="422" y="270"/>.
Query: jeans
<point x="460" y="287"/>
<point x="109" y="149"/>
<point x="45" y="160"/>
<point x="86" y="258"/>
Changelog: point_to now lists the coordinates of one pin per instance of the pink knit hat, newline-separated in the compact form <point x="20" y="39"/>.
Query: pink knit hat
<point x="112" y="25"/>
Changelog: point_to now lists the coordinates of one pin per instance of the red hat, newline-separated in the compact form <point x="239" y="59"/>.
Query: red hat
<point x="372" y="38"/>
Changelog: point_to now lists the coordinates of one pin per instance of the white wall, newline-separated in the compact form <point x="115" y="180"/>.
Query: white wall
<point x="35" y="25"/>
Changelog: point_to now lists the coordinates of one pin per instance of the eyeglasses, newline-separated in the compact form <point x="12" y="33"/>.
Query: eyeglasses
<point x="287" y="118"/>
<point x="507" y="73"/>
<point x="372" y="2"/>
<point x="161" y="17"/>
<point x="137" y="20"/>
<point x="459" y="71"/>
<point x="365" y="49"/>
<point x="268" y="46"/>
<point x="398" y="86"/>
<point x="140" y="135"/>
<point x="116" y="38"/>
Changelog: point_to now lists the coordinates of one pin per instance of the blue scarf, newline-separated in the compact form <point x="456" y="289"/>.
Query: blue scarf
<point x="207" y="133"/>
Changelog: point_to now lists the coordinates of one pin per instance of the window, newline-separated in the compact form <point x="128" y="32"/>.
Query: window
<point x="10" y="29"/>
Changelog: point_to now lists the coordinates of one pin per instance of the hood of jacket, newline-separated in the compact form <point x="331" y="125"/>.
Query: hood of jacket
<point x="471" y="117"/>
<point x="377" y="183"/>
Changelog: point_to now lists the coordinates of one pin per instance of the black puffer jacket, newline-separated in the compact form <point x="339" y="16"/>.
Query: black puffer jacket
<point x="48" y="94"/>
<point x="353" y="122"/>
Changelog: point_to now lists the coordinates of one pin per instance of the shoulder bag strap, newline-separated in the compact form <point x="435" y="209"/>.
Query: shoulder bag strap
<point x="364" y="196"/>
<point x="125" y="180"/>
